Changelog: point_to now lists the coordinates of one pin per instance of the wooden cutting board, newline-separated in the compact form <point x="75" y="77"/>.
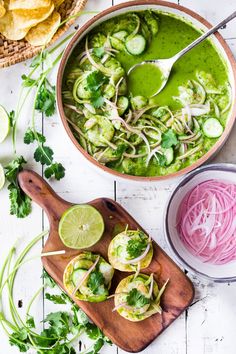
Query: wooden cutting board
<point x="130" y="336"/>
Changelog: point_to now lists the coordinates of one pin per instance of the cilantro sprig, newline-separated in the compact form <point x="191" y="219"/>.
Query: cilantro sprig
<point x="137" y="245"/>
<point x="20" y="203"/>
<point x="169" y="139"/>
<point x="137" y="299"/>
<point x="95" y="81"/>
<point x="61" y="328"/>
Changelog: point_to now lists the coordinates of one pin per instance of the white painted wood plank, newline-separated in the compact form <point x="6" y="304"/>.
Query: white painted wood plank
<point x="81" y="183"/>
<point x="12" y="228"/>
<point x="214" y="11"/>
<point x="209" y="321"/>
<point x="146" y="203"/>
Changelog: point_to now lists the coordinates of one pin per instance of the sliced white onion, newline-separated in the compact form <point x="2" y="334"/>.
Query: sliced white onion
<point x="123" y="304"/>
<point x="86" y="275"/>
<point x="151" y="286"/>
<point x="53" y="253"/>
<point x="199" y="109"/>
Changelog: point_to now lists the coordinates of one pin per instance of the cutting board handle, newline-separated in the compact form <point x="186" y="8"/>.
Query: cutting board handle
<point x="41" y="193"/>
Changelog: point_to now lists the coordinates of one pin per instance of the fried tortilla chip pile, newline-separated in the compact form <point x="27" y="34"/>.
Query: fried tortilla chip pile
<point x="34" y="20"/>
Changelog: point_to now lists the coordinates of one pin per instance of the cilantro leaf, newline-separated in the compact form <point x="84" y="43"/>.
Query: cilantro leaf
<point x="95" y="80"/>
<point x="135" y="298"/>
<point x="92" y="331"/>
<point x="48" y="281"/>
<point x="57" y="299"/>
<point x="30" y="136"/>
<point x="12" y="169"/>
<point x="20" y="339"/>
<point x="20" y="202"/>
<point x="169" y="139"/>
<point x="56" y="170"/>
<point x="95" y="280"/>
<point x="97" y="99"/>
<point x="137" y="245"/>
<point x="30" y="322"/>
<point x="45" y="100"/>
<point x="97" y="346"/>
<point x="44" y="155"/>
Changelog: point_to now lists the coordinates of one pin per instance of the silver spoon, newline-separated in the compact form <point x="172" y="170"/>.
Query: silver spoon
<point x="165" y="65"/>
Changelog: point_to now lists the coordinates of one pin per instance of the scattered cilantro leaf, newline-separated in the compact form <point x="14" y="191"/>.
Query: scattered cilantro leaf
<point x="136" y="246"/>
<point x="20" y="202"/>
<point x="55" y="170"/>
<point x="97" y="99"/>
<point x="56" y="299"/>
<point x="95" y="280"/>
<point x="20" y="340"/>
<point x="48" y="281"/>
<point x="30" y="322"/>
<point x="169" y="139"/>
<point x="95" y="80"/>
<point x="45" y="100"/>
<point x="30" y="136"/>
<point x="44" y="155"/>
<point x="135" y="298"/>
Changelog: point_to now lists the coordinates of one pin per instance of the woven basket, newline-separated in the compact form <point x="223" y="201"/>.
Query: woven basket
<point x="12" y="52"/>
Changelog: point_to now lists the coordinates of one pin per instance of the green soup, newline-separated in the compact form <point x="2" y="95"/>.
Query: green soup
<point x="116" y="119"/>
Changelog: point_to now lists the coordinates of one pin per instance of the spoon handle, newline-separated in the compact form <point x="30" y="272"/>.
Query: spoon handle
<point x="204" y="36"/>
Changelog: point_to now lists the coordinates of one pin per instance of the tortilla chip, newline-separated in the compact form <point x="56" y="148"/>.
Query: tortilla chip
<point x="28" y="4"/>
<point x="44" y="31"/>
<point x="9" y="29"/>
<point x="31" y="17"/>
<point x="2" y="8"/>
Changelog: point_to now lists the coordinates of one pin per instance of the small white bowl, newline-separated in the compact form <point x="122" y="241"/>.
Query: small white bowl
<point x="217" y="273"/>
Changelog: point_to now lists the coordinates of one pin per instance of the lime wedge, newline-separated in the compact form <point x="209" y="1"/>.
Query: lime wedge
<point x="4" y="124"/>
<point x="81" y="226"/>
<point x="2" y="177"/>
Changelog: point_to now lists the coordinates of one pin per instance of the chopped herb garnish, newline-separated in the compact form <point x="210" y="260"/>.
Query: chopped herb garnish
<point x="169" y="139"/>
<point x="136" y="246"/>
<point x="136" y="299"/>
<point x="96" y="279"/>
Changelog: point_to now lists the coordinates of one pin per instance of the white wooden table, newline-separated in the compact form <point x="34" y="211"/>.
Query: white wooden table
<point x="208" y="326"/>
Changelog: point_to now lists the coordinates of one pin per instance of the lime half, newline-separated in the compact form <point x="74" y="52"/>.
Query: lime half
<point x="2" y="177"/>
<point x="4" y="124"/>
<point x="81" y="226"/>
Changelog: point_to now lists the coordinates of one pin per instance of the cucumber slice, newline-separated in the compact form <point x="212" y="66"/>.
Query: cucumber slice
<point x="122" y="104"/>
<point x="136" y="44"/>
<point x="121" y="35"/>
<point x="169" y="155"/>
<point x="212" y="128"/>
<point x="78" y="275"/>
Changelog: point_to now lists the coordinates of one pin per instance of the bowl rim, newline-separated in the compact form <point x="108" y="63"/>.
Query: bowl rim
<point x="225" y="167"/>
<point x="69" y="49"/>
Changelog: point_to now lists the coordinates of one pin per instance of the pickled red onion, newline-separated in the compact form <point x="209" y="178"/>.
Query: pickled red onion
<point x="206" y="221"/>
